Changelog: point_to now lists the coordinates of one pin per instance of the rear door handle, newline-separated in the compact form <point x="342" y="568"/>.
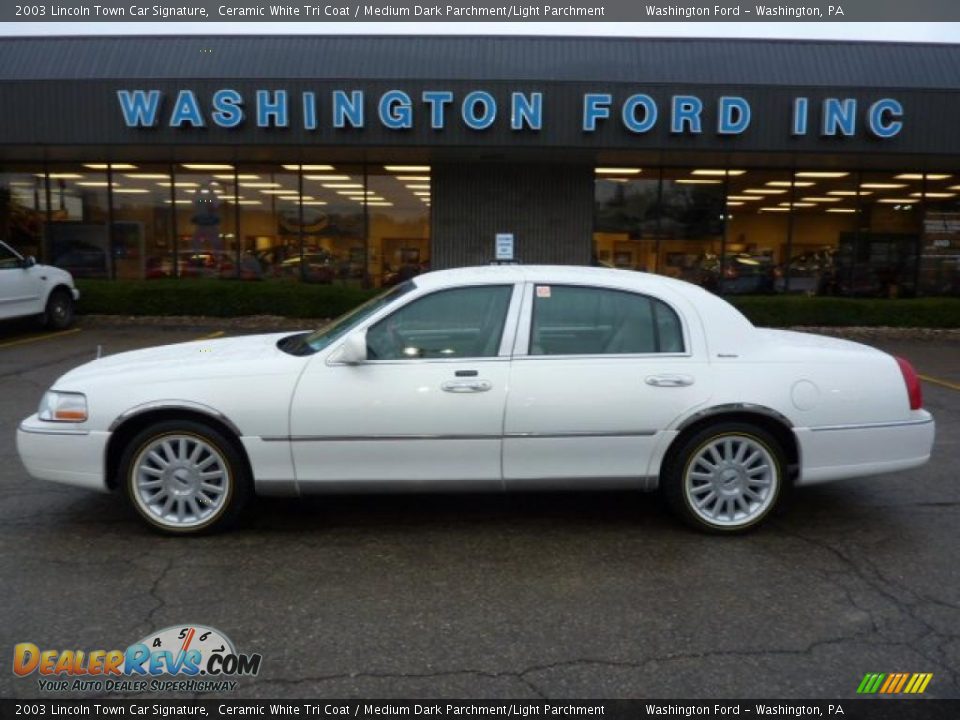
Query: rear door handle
<point x="466" y="386"/>
<point x="670" y="380"/>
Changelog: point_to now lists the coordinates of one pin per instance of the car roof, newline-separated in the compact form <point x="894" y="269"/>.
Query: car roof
<point x="555" y="274"/>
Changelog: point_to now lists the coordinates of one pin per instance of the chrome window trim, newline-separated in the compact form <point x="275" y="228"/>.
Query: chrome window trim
<point x="611" y="356"/>
<point x="421" y="361"/>
<point x="528" y="323"/>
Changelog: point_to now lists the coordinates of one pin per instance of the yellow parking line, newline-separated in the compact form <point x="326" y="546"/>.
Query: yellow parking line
<point x="37" y="338"/>
<point x="212" y="335"/>
<point x="938" y="381"/>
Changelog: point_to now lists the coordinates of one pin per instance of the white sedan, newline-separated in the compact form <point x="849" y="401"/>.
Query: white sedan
<point x="489" y="378"/>
<point x="29" y="289"/>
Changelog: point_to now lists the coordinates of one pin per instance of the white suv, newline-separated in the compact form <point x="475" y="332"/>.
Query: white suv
<point x="27" y="288"/>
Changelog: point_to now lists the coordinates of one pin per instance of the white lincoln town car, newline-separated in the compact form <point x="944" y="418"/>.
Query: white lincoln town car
<point x="488" y="378"/>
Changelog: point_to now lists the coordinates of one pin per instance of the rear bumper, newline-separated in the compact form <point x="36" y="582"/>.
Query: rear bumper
<point x="63" y="453"/>
<point x="848" y="451"/>
<point x="75" y="293"/>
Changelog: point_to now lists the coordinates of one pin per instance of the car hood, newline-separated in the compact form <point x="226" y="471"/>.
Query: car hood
<point x="245" y="355"/>
<point x="55" y="274"/>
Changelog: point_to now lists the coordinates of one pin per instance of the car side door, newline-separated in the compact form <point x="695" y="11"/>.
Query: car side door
<point x="598" y="374"/>
<point x="426" y="405"/>
<point x="20" y="286"/>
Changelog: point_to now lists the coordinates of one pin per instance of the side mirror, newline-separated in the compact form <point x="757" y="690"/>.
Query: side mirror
<point x="29" y="262"/>
<point x="354" y="349"/>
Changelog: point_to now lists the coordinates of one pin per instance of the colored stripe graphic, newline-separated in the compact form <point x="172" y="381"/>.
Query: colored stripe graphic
<point x="903" y="680"/>
<point x="870" y="683"/>
<point x="894" y="683"/>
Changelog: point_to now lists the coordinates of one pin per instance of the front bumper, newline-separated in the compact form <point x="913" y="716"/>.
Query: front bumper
<point x="64" y="453"/>
<point x="75" y="293"/>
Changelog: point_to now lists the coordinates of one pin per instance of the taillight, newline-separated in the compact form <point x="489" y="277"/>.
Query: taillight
<point x="910" y="379"/>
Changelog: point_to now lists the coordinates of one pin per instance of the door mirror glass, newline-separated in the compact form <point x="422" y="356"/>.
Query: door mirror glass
<point x="29" y="262"/>
<point x="354" y="349"/>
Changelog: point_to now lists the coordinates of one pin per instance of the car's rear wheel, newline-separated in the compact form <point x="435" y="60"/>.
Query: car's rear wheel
<point x="58" y="314"/>
<point x="726" y="478"/>
<point x="184" y="478"/>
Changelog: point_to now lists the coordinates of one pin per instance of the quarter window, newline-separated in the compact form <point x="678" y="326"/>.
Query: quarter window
<point x="458" y="323"/>
<point x="597" y="321"/>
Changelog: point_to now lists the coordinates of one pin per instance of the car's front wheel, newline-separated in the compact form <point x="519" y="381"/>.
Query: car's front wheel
<point x="726" y="478"/>
<point x="58" y="314"/>
<point x="184" y="478"/>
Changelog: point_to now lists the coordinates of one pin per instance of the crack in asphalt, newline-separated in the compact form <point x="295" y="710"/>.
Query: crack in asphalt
<point x="521" y="675"/>
<point x="154" y="592"/>
<point x="874" y="579"/>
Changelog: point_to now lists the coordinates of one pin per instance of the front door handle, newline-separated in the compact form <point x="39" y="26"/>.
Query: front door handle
<point x="669" y="380"/>
<point x="466" y="386"/>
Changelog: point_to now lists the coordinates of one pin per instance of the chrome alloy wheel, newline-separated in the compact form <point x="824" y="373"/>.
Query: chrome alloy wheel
<point x="731" y="480"/>
<point x="181" y="480"/>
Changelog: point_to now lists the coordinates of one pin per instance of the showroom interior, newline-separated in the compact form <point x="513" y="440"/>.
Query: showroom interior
<point x="766" y="210"/>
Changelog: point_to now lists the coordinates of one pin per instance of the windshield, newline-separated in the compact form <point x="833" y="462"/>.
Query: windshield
<point x="319" y="339"/>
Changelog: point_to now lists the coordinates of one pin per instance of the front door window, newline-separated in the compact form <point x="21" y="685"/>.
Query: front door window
<point x="460" y="323"/>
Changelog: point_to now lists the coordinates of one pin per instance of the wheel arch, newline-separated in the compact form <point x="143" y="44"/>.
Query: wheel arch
<point x="778" y="425"/>
<point x="125" y="427"/>
<point x="58" y="286"/>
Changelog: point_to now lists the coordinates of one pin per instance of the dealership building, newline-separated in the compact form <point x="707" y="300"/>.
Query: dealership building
<point x="743" y="165"/>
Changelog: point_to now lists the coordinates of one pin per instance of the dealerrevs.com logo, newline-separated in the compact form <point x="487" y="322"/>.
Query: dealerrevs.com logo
<point x="180" y="658"/>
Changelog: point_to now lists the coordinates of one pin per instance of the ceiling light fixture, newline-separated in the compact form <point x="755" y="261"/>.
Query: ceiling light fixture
<point x="320" y="168"/>
<point x="821" y="174"/>
<point x="205" y="166"/>
<point x="720" y="173"/>
<point x="113" y="166"/>
<point x="921" y="176"/>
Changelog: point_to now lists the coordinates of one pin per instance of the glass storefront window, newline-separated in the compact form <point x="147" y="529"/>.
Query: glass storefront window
<point x="398" y="223"/>
<point x="269" y="211"/>
<point x="691" y="224"/>
<point x="886" y="247"/>
<point x="142" y="221"/>
<point x="826" y="215"/>
<point x="758" y="230"/>
<point x="334" y="225"/>
<point x="78" y="236"/>
<point x="625" y="218"/>
<point x="206" y="199"/>
<point x="939" y="271"/>
<point x="23" y="206"/>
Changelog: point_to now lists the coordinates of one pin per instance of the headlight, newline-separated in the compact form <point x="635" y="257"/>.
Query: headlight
<point x="63" y="407"/>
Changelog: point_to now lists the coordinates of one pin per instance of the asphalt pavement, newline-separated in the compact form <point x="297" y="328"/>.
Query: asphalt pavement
<point x="595" y="595"/>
